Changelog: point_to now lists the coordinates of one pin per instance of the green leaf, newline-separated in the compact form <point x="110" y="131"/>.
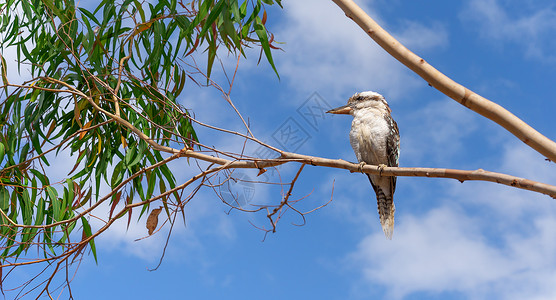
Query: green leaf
<point x="34" y="188"/>
<point x="4" y="73"/>
<point x="215" y="12"/>
<point x="133" y="157"/>
<point x="151" y="184"/>
<point x="50" y="4"/>
<point x="4" y="198"/>
<point x="36" y="143"/>
<point x="243" y="10"/>
<point x="44" y="180"/>
<point x="263" y="37"/>
<point x="87" y="232"/>
<point x="71" y="192"/>
<point x="173" y="4"/>
<point x="55" y="202"/>
<point x="234" y="9"/>
<point x="211" y="57"/>
<point x="117" y="175"/>
<point x="183" y="22"/>
<point x="2" y="152"/>
<point x="26" y="207"/>
<point x="40" y="212"/>
<point x="23" y="153"/>
<point x="255" y="13"/>
<point x="28" y="235"/>
<point x="89" y="15"/>
<point x="139" y="7"/>
<point x="168" y="175"/>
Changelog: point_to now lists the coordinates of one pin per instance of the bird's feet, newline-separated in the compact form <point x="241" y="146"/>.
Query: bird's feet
<point x="361" y="165"/>
<point x="381" y="168"/>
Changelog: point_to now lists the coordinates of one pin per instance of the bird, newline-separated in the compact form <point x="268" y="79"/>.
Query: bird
<point x="375" y="139"/>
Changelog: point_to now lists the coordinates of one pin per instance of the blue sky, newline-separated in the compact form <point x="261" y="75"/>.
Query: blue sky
<point x="451" y="241"/>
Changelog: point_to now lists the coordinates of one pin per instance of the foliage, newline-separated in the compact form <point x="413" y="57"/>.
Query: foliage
<point x="92" y="71"/>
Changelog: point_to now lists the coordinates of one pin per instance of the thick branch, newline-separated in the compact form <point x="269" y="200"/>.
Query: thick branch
<point x="450" y="88"/>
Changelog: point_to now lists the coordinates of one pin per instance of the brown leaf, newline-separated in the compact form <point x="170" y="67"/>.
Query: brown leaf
<point x="87" y="125"/>
<point x="152" y="220"/>
<point x="194" y="46"/>
<point x="77" y="163"/>
<point x="77" y="112"/>
<point x="52" y="127"/>
<point x="141" y="27"/>
<point x="114" y="203"/>
<point x="78" y="195"/>
<point x="124" y="143"/>
<point x="80" y="246"/>
<point x="128" y="201"/>
<point x="264" y="17"/>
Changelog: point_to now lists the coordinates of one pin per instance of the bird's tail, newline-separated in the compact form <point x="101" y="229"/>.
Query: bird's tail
<point x="386" y="211"/>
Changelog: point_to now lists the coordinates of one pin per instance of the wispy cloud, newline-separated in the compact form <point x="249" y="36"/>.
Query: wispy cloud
<point x="533" y="30"/>
<point x="327" y="51"/>
<point x="441" y="251"/>
<point x="418" y="37"/>
<point x="444" y="251"/>
<point x="483" y="241"/>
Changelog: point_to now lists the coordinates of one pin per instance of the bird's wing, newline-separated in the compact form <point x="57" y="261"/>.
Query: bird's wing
<point x="393" y="152"/>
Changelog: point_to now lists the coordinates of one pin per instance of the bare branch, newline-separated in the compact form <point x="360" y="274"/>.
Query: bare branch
<point x="460" y="175"/>
<point x="450" y="88"/>
<point x="253" y="163"/>
<point x="278" y="209"/>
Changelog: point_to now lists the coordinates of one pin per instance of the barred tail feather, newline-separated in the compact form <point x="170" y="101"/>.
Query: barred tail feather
<point x="386" y="211"/>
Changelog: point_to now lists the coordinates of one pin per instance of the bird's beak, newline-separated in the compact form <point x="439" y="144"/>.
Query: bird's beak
<point x="344" y="110"/>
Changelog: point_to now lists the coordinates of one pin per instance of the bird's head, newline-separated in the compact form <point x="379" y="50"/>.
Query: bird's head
<point x="361" y="101"/>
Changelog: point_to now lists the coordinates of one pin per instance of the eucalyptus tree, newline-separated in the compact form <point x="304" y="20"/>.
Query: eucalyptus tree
<point x="101" y="84"/>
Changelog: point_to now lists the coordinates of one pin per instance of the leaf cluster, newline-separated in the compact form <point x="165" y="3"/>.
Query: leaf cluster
<point x="127" y="58"/>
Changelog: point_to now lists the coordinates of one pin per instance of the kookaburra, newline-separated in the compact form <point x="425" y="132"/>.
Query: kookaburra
<point x="375" y="139"/>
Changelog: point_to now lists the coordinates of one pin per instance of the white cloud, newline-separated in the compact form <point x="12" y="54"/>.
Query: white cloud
<point x="417" y="36"/>
<point x="437" y="252"/>
<point x="445" y="251"/>
<point x="484" y="241"/>
<point x="533" y="30"/>
<point x="327" y="51"/>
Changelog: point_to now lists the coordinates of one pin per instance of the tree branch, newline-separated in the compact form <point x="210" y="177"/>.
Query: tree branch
<point x="450" y="88"/>
<point x="460" y="175"/>
<point x="253" y="163"/>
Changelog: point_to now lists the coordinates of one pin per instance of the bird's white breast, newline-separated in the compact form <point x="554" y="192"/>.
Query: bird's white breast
<point x="368" y="135"/>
